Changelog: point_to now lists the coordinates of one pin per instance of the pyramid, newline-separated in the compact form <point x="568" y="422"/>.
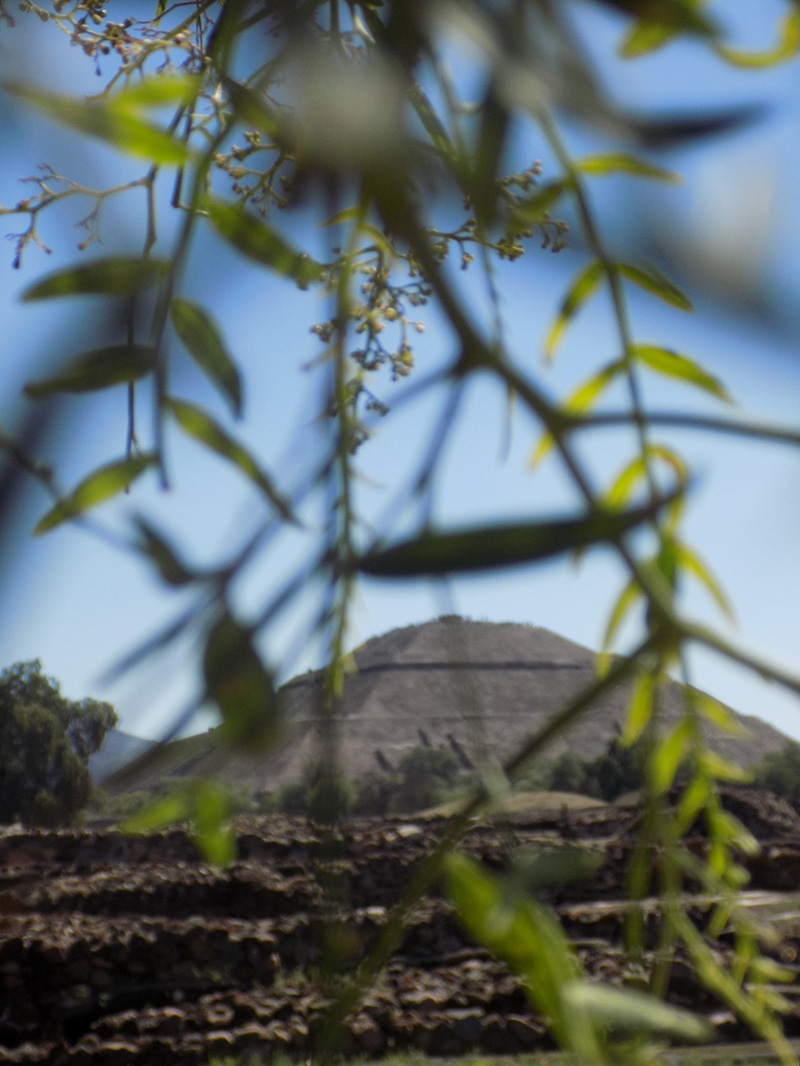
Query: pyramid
<point x="478" y="688"/>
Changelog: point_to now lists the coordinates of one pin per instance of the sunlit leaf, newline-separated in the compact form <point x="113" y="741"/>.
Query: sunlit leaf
<point x="718" y="715"/>
<point x="653" y="281"/>
<point x="629" y="1011"/>
<point x="621" y="163"/>
<point x="214" y="836"/>
<point x="99" y="369"/>
<point x="670" y="752"/>
<point x="693" y="800"/>
<point x="260" y="242"/>
<point x="671" y="364"/>
<point x="108" y="120"/>
<point x="691" y="561"/>
<point x="582" y="399"/>
<point x="95" y="489"/>
<point x="625" y="601"/>
<point x="173" y="572"/>
<point x="722" y="769"/>
<point x="199" y="333"/>
<point x="158" y="90"/>
<point x="241" y="686"/>
<point x="787" y="47"/>
<point x="646" y="37"/>
<point x="114" y="276"/>
<point x="200" y="425"/>
<point x="490" y="547"/>
<point x="583" y="287"/>
<point x="621" y="491"/>
<point x="640" y="708"/>
<point x="160" y="814"/>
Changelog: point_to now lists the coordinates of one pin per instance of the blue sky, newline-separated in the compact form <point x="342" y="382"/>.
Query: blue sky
<point x="79" y="605"/>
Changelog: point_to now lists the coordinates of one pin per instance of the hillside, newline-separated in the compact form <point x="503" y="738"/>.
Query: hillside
<point x="480" y="688"/>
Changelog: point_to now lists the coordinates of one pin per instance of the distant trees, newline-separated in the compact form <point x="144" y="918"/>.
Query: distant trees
<point x="612" y="773"/>
<point x="45" y="744"/>
<point x="779" y="772"/>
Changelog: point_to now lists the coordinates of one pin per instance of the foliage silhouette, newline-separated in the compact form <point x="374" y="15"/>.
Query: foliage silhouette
<point x="268" y="118"/>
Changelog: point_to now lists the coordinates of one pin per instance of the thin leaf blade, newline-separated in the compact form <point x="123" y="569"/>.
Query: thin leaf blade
<point x="583" y="287"/>
<point x="654" y="282"/>
<point x="98" y="369"/>
<point x="98" y="487"/>
<point x="623" y="163"/>
<point x="680" y="367"/>
<point x="111" y="276"/>
<point x="202" y="339"/>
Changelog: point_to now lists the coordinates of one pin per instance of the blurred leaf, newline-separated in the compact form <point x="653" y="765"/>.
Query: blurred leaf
<point x="671" y="364"/>
<point x="683" y="129"/>
<point x="258" y="241"/>
<point x="718" y="715"/>
<point x="540" y="869"/>
<point x="646" y="37"/>
<point x="627" y="598"/>
<point x="583" y="287"/>
<point x="199" y="333"/>
<point x="158" y="90"/>
<point x="99" y="369"/>
<point x="536" y="208"/>
<point x="683" y="15"/>
<point x="214" y="836"/>
<point x="109" y="119"/>
<point x="154" y="545"/>
<point x="95" y="489"/>
<point x="620" y="163"/>
<point x="251" y="108"/>
<point x="691" y="561"/>
<point x="669" y="753"/>
<point x="160" y="814"/>
<point x="114" y="276"/>
<point x="582" y="399"/>
<point x="503" y="545"/>
<point x="722" y="769"/>
<point x="237" y="681"/>
<point x="640" y="708"/>
<point x="693" y="800"/>
<point x="654" y="281"/>
<point x="787" y="47"/>
<point x="629" y="1011"/>
<point x="203" y="428"/>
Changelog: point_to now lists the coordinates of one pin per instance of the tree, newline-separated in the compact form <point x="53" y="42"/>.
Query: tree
<point x="779" y="772"/>
<point x="331" y="145"/>
<point x="45" y="744"/>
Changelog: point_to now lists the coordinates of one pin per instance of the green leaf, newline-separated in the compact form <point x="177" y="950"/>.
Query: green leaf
<point x="161" y="814"/>
<point x="629" y="1011"/>
<point x="627" y="598"/>
<point x="787" y="47"/>
<point x="214" y="836"/>
<point x="622" y="163"/>
<point x="95" y="489"/>
<point x="199" y="333"/>
<point x="653" y="281"/>
<point x="718" y="715"/>
<point x="672" y="364"/>
<point x="669" y="754"/>
<point x="159" y="551"/>
<point x="541" y="869"/>
<point x="159" y="90"/>
<point x="582" y="399"/>
<point x="242" y="688"/>
<point x="198" y="424"/>
<point x="99" y="369"/>
<point x="535" y="208"/>
<point x="640" y="708"/>
<point x="490" y="547"/>
<point x="114" y="276"/>
<point x="636" y="471"/>
<point x="692" y="562"/>
<point x="109" y="120"/>
<point x="583" y="287"/>
<point x="723" y="769"/>
<point x="258" y="241"/>
<point x="251" y="108"/>
<point x="646" y="37"/>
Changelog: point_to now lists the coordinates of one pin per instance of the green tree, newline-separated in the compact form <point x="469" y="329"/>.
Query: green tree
<point x="330" y="145"/>
<point x="779" y="772"/>
<point x="45" y="744"/>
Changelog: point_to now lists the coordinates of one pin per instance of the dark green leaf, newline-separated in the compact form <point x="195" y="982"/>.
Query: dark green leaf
<point x="115" y="276"/>
<point x="237" y="681"/>
<point x="99" y="369"/>
<point x="629" y="1011"/>
<point x="664" y="361"/>
<point x="653" y="281"/>
<point x="108" y="119"/>
<point x="95" y="489"/>
<point x="166" y="559"/>
<point x="536" y="208"/>
<point x="584" y="285"/>
<point x="203" y="428"/>
<point x="540" y="869"/>
<point x="199" y="333"/>
<point x="683" y="129"/>
<point x="646" y="37"/>
<point x="258" y="241"/>
<point x="491" y="547"/>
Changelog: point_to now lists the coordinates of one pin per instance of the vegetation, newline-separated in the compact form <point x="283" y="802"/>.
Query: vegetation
<point x="779" y="772"/>
<point x="45" y="744"/>
<point x="331" y="146"/>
